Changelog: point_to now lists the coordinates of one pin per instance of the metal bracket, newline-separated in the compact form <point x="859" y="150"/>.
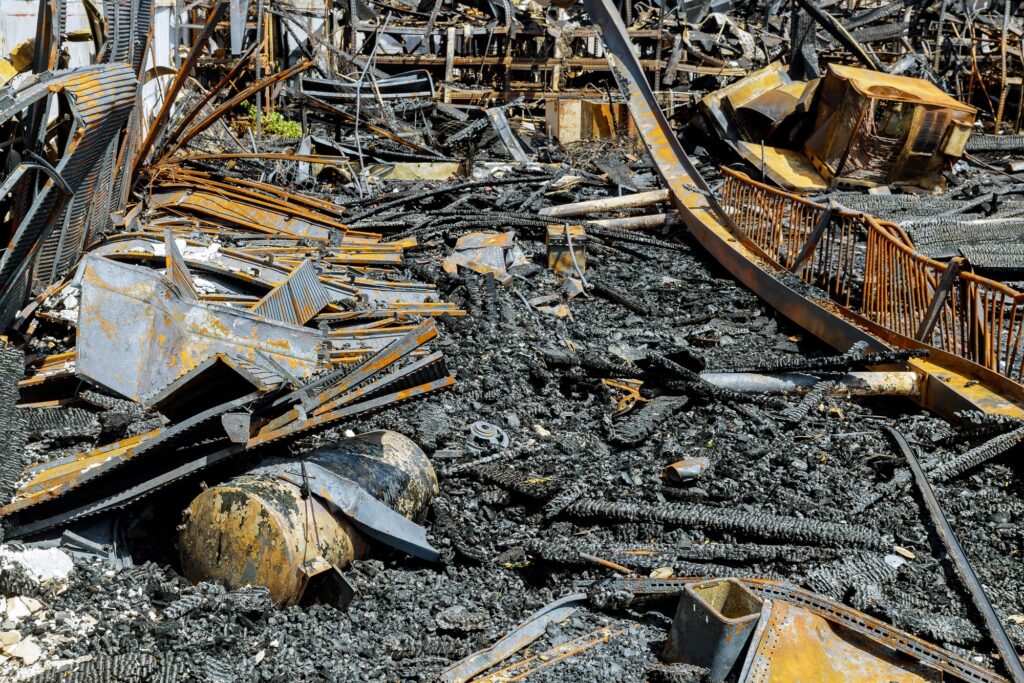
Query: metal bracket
<point x="931" y="314"/>
<point x="812" y="240"/>
<point x="322" y="582"/>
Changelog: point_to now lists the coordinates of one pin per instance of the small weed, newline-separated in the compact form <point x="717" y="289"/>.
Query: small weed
<point x="274" y="124"/>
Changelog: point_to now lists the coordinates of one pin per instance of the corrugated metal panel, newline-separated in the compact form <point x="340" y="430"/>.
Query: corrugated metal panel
<point x="296" y="300"/>
<point x="62" y="249"/>
<point x="103" y="97"/>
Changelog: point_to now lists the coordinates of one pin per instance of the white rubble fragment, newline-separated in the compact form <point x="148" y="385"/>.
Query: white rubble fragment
<point x="43" y="565"/>
<point x="206" y="253"/>
<point x="25" y="650"/>
<point x="895" y="561"/>
<point x="20" y="607"/>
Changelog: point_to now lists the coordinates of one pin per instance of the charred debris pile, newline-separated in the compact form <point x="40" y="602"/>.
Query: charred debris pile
<point x="491" y="341"/>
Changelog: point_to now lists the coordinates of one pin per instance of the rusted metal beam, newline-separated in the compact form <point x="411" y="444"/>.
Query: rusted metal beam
<point x="234" y="101"/>
<point x="212" y="92"/>
<point x="214" y="15"/>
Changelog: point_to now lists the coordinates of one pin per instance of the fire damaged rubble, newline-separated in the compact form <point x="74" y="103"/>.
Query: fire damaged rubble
<point x="459" y="341"/>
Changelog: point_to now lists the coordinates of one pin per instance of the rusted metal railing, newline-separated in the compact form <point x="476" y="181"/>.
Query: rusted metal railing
<point x="870" y="267"/>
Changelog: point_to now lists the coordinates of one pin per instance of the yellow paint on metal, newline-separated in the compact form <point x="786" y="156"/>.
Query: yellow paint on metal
<point x="972" y="391"/>
<point x="630" y="389"/>
<point x="560" y="261"/>
<point x="254" y="531"/>
<point x="799" y="646"/>
<point x="880" y="85"/>
<point x="784" y="167"/>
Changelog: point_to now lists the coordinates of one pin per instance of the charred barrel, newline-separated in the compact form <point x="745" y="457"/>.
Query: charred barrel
<point x="290" y="519"/>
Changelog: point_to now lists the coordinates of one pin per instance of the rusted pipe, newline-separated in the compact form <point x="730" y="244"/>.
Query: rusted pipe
<point x="214" y="15"/>
<point x="629" y="201"/>
<point x="608" y="564"/>
<point x="854" y="383"/>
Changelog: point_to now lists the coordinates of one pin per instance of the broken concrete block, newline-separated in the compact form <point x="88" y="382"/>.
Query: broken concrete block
<point x="20" y="607"/>
<point x="25" y="650"/>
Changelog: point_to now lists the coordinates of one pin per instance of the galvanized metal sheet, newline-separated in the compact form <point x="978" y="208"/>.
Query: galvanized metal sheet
<point x="136" y="335"/>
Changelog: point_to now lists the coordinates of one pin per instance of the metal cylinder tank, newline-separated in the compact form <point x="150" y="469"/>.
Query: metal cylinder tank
<point x="267" y="528"/>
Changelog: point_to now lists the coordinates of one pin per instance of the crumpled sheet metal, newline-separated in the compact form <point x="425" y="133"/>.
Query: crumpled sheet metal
<point x="39" y="503"/>
<point x="719" y="106"/>
<point x="237" y="264"/>
<point x="17" y="61"/>
<point x="128" y="24"/>
<point x="136" y="335"/>
<point x="869" y="128"/>
<point x="795" y="644"/>
<point x="485" y="252"/>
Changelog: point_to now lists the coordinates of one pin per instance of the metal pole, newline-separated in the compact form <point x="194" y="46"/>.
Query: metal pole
<point x="962" y="564"/>
<point x="259" y="69"/>
<point x="359" y="100"/>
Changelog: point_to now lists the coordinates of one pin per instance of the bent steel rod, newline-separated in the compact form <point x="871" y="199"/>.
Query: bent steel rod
<point x="960" y="561"/>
